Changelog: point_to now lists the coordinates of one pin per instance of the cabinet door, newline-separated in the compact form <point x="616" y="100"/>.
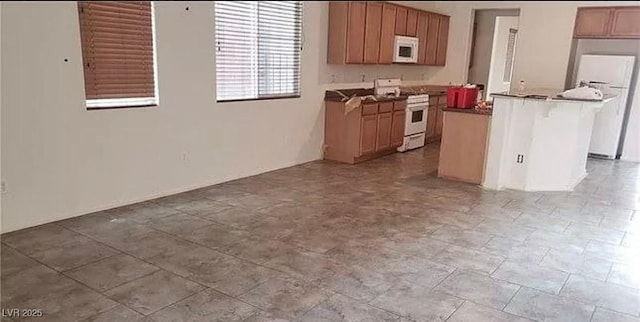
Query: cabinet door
<point x="432" y="115"/>
<point x="592" y="22"/>
<point x="443" y="39"/>
<point x="412" y="22"/>
<point x="372" y="32"/>
<point x="439" y="117"/>
<point x="401" y="21"/>
<point x="383" y="140"/>
<point x="625" y="23"/>
<point x="432" y="39"/>
<point x="423" y="27"/>
<point x="387" y="32"/>
<point x="368" y="134"/>
<point x="355" y="32"/>
<point x="397" y="128"/>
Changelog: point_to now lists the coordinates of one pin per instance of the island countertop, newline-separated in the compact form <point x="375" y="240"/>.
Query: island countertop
<point x="548" y="94"/>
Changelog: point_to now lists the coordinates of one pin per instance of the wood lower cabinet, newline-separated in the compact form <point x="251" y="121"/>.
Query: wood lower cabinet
<point x="433" y="132"/>
<point x="607" y="22"/>
<point x="368" y="134"/>
<point x="397" y="128"/>
<point x="463" y="147"/>
<point x="384" y="131"/>
<point x="369" y="131"/>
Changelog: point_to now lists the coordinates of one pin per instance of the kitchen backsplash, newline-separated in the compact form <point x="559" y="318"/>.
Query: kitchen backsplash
<point x="356" y="74"/>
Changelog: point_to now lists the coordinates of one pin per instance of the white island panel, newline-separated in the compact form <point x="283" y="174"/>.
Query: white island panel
<point x="537" y="144"/>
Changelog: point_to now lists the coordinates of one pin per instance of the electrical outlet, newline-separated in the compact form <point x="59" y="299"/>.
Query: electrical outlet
<point x="520" y="158"/>
<point x="185" y="157"/>
<point x="362" y="77"/>
<point x="333" y="78"/>
<point x="3" y="187"/>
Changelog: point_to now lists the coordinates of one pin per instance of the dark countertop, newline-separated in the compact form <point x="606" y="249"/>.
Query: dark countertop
<point x="469" y="110"/>
<point x="432" y="90"/>
<point x="333" y="96"/>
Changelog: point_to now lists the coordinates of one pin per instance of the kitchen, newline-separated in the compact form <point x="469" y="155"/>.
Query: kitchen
<point x="384" y="33"/>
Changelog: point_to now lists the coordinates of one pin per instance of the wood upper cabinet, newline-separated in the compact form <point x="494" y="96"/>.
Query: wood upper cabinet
<point x="625" y="22"/>
<point x="423" y="27"/>
<point x="432" y="39"/>
<point x="383" y="140"/>
<point x="592" y="22"/>
<point x="412" y="22"/>
<point x="443" y="39"/>
<point x="363" y="32"/>
<point x="373" y="23"/>
<point x="387" y="33"/>
<point x="397" y="128"/>
<point x="355" y="31"/>
<point x="368" y="134"/>
<point x="607" y="22"/>
<point x="401" y="21"/>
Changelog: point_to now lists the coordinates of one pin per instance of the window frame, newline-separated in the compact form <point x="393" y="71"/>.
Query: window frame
<point x="131" y="102"/>
<point x="266" y="97"/>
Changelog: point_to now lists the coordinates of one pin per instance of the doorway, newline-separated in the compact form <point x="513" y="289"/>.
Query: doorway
<point x="493" y="47"/>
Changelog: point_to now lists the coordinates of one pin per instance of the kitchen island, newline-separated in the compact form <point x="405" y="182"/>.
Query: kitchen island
<point x="538" y="142"/>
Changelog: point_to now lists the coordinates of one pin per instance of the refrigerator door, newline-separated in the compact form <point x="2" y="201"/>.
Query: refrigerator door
<point x="607" y="127"/>
<point x="615" y="70"/>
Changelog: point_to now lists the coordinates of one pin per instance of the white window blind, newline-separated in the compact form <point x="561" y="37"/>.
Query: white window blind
<point x="257" y="49"/>
<point x="511" y="47"/>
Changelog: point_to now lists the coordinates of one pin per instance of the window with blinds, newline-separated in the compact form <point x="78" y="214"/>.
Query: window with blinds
<point x="257" y="49"/>
<point x="511" y="47"/>
<point x="118" y="53"/>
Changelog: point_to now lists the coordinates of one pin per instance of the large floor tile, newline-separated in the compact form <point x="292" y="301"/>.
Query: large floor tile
<point x="465" y="258"/>
<point x="532" y="275"/>
<point x="570" y="262"/>
<point x="470" y="311"/>
<point x="618" y="298"/>
<point x="285" y="297"/>
<point x="515" y="250"/>
<point x="417" y="303"/>
<point x="342" y="308"/>
<point x="208" y="305"/>
<point x="153" y="292"/>
<point x="461" y="237"/>
<point x="604" y="315"/>
<point x="111" y="272"/>
<point x="541" y="306"/>
<point x="478" y="288"/>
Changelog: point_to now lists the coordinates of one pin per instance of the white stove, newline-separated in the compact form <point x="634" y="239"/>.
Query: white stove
<point x="415" y="122"/>
<point x="416" y="113"/>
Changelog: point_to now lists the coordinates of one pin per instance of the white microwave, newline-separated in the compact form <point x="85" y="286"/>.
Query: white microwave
<point x="405" y="50"/>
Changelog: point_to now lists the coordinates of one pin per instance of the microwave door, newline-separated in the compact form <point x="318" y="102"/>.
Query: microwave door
<point x="405" y="51"/>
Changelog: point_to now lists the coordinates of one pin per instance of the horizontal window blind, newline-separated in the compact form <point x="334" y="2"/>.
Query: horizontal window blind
<point x="258" y="49"/>
<point x="117" y="51"/>
<point x="508" y="63"/>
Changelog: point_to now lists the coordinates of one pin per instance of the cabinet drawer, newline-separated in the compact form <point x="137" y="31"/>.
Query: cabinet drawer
<point x="385" y="107"/>
<point x="442" y="99"/>
<point x="399" y="105"/>
<point x="369" y="109"/>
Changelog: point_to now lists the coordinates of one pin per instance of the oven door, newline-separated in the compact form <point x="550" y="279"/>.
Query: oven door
<point x="416" y="119"/>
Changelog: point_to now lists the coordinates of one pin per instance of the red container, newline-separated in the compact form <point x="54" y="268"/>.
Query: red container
<point x="467" y="98"/>
<point x="453" y="93"/>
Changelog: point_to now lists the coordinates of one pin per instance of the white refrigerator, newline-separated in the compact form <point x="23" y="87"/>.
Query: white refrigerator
<point x="616" y="71"/>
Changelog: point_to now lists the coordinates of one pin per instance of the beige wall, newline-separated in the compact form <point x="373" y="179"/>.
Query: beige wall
<point x="544" y="37"/>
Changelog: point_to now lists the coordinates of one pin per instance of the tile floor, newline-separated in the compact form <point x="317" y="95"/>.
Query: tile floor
<point x="381" y="241"/>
